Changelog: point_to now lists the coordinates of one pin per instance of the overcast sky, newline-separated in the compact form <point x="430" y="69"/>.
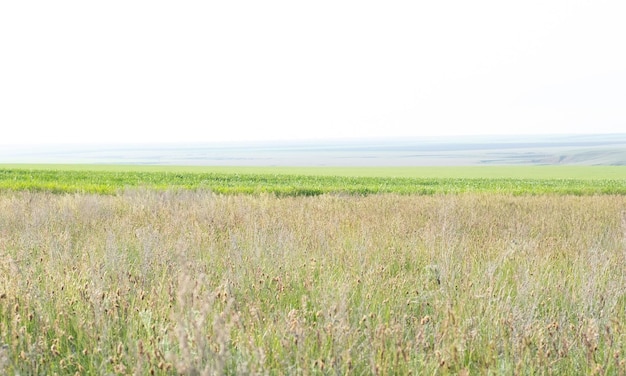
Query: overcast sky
<point x="153" y="71"/>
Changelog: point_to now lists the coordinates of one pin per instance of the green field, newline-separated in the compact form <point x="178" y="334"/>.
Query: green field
<point x="515" y="172"/>
<point x="578" y="180"/>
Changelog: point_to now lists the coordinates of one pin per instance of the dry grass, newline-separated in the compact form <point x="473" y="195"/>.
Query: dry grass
<point x="194" y="283"/>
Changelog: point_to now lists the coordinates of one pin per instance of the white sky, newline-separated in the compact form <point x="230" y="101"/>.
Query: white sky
<point x="150" y="71"/>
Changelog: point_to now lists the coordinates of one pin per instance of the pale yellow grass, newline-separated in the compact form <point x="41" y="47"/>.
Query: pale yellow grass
<point x="193" y="283"/>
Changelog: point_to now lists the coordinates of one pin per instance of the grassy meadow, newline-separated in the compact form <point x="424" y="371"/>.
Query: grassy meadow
<point x="311" y="181"/>
<point x="147" y="279"/>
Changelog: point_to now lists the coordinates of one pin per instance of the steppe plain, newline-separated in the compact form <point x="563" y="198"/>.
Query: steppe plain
<point x="148" y="268"/>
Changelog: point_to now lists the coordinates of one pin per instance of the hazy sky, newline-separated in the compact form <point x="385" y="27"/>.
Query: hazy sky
<point x="128" y="71"/>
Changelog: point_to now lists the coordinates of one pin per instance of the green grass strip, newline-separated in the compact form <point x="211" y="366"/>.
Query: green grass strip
<point x="112" y="181"/>
<point x="471" y="172"/>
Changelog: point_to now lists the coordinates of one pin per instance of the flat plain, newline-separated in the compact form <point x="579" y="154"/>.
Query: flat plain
<point x="296" y="181"/>
<point x="570" y="150"/>
<point x="154" y="270"/>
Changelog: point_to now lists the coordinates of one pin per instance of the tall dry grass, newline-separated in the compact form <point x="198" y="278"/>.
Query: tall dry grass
<point x="194" y="283"/>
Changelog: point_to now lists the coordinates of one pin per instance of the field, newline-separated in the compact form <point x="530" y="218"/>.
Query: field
<point x="310" y="181"/>
<point x="140" y="271"/>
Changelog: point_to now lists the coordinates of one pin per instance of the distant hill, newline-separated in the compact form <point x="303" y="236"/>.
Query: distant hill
<point x="608" y="150"/>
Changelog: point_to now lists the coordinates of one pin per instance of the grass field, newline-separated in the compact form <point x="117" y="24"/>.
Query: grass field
<point x="189" y="282"/>
<point x="467" y="172"/>
<point x="152" y="270"/>
<point x="579" y="180"/>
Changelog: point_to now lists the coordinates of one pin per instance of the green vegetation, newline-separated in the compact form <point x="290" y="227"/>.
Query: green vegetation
<point x="189" y="282"/>
<point x="466" y="172"/>
<point x="312" y="181"/>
